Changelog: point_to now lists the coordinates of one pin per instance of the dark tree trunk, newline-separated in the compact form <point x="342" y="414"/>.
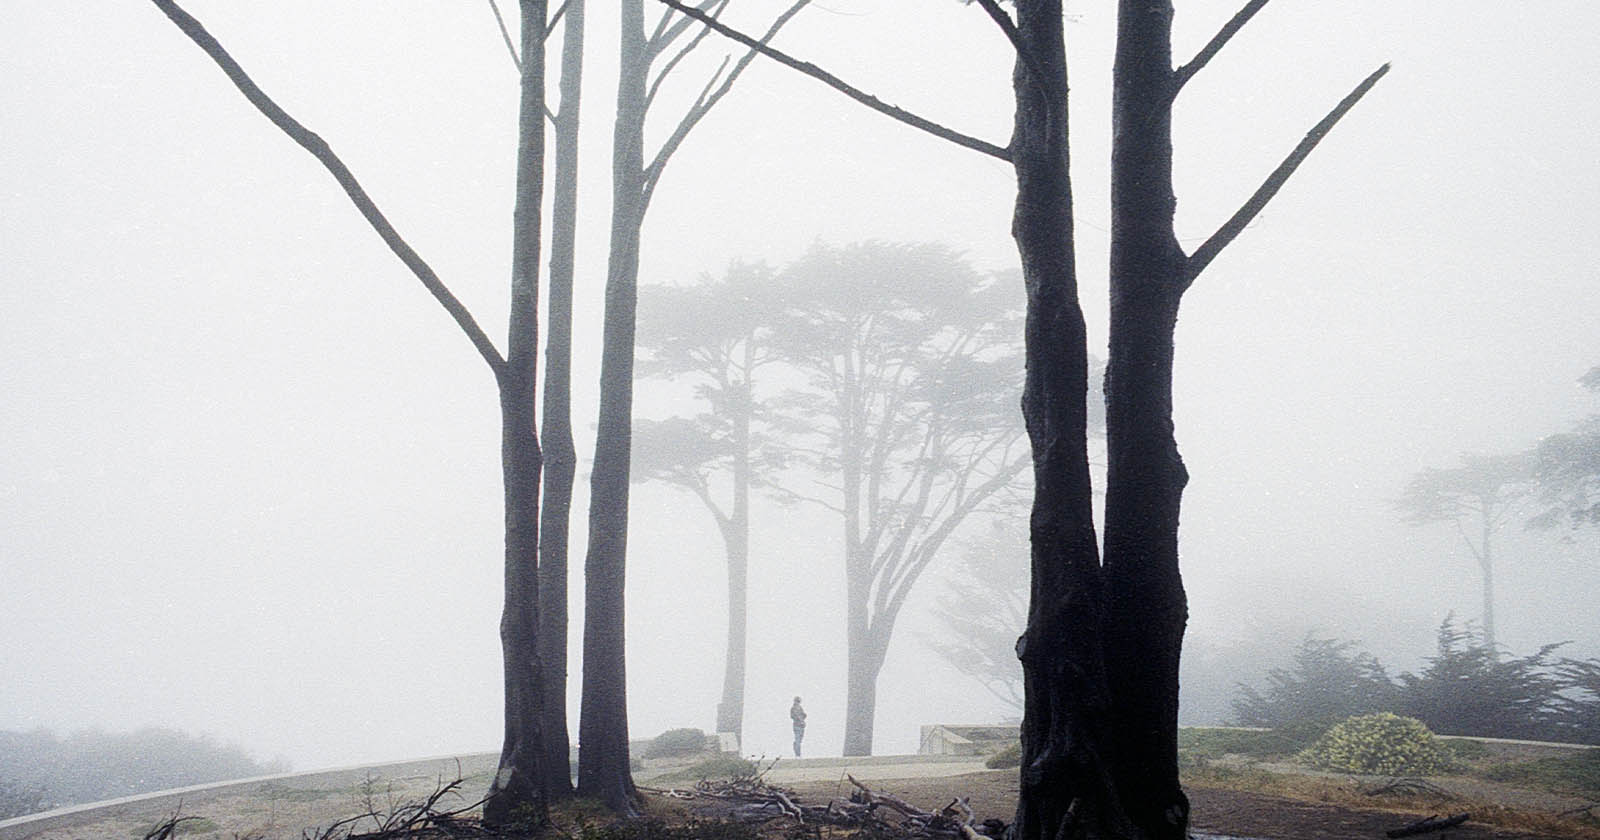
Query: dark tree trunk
<point x="603" y="771"/>
<point x="517" y="793"/>
<point x="1066" y="787"/>
<point x="560" y="455"/>
<point x="1145" y="477"/>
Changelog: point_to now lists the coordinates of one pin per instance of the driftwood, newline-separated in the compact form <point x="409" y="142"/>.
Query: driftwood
<point x="1424" y="826"/>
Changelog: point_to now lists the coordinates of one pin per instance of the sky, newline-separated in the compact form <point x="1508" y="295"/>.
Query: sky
<point x="248" y="468"/>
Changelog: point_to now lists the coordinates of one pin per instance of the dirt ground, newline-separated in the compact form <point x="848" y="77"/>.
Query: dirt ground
<point x="1215" y="813"/>
<point x="286" y="807"/>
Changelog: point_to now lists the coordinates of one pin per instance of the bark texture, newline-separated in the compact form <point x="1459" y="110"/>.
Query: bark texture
<point x="603" y="771"/>
<point x="1066" y="788"/>
<point x="516" y="795"/>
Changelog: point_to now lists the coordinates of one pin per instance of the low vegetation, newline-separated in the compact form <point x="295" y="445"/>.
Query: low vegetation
<point x="1383" y="744"/>
<point x="676" y="743"/>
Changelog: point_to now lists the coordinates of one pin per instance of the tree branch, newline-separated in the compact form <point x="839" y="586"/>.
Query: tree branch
<point x="1208" y="251"/>
<point x="505" y="34"/>
<point x="840" y="85"/>
<point x="1009" y="27"/>
<point x="319" y="149"/>
<point x="1215" y="45"/>
<point x="665" y="34"/>
<point x="550" y="27"/>
<point x="666" y="69"/>
<point x="708" y="98"/>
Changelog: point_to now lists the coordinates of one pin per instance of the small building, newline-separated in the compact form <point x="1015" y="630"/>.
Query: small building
<point x="967" y="739"/>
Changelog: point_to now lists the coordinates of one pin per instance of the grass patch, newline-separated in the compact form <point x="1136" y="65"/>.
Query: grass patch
<point x="179" y="826"/>
<point x="1210" y="744"/>
<point x="1578" y="773"/>
<point x="720" y="766"/>
<point x="284" y="793"/>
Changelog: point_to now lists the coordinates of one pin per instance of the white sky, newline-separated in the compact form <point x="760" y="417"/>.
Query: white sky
<point x="248" y="468"/>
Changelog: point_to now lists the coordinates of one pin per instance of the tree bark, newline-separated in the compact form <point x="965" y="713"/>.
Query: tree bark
<point x="603" y="771"/>
<point x="736" y="540"/>
<point x="517" y="792"/>
<point x="864" y="659"/>
<point x="561" y="457"/>
<point x="1066" y="789"/>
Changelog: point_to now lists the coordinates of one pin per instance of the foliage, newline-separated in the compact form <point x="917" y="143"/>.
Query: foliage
<point x="723" y="766"/>
<point x="1210" y="743"/>
<point x="91" y="766"/>
<point x="1381" y="744"/>
<point x="1011" y="756"/>
<point x="1567" y="471"/>
<point x="1467" y="689"/>
<point x="20" y="800"/>
<point x="1575" y="710"/>
<point x="983" y="608"/>
<point x="1327" y="681"/>
<point x="677" y="742"/>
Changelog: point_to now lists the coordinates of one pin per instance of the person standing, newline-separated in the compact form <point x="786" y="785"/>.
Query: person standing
<point x="798" y="716"/>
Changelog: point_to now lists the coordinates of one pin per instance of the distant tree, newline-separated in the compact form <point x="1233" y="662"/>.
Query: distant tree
<point x="1466" y="688"/>
<point x="518" y="788"/>
<point x="715" y="335"/>
<point x="1480" y="494"/>
<point x="1326" y="682"/>
<point x="982" y="608"/>
<point x="646" y="61"/>
<point x="1567" y="471"/>
<point x="19" y="800"/>
<point x="914" y="367"/>
<point x="45" y="770"/>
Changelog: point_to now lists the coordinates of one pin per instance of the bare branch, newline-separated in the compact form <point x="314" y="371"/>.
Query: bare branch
<point x="1009" y="27"/>
<point x="665" y="34"/>
<point x="1215" y="45"/>
<point x="666" y="69"/>
<point x="318" y="147"/>
<point x="1208" y="251"/>
<point x="840" y="85"/>
<point x="506" y="35"/>
<point x="550" y="26"/>
<point x="708" y="98"/>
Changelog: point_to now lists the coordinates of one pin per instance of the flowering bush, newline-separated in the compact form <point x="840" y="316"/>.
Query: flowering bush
<point x="1383" y="744"/>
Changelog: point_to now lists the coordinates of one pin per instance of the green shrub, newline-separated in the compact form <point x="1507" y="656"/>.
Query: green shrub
<point x="676" y="742"/>
<point x="1009" y="757"/>
<point x="1381" y="744"/>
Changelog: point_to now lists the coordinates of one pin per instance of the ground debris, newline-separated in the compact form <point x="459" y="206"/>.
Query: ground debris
<point x="878" y="815"/>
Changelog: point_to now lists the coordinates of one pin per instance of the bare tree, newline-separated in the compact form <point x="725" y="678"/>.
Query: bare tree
<point x="647" y="60"/>
<point x="517" y="792"/>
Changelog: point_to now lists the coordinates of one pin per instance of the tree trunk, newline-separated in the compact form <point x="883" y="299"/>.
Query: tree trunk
<point x="863" y="662"/>
<point x="603" y="771"/>
<point x="1066" y="790"/>
<point x="1145" y="477"/>
<point x="736" y="539"/>
<point x="1486" y="563"/>
<point x="560" y="455"/>
<point x="517" y="793"/>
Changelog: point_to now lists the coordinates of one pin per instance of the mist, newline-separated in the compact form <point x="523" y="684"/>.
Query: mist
<point x="249" y="483"/>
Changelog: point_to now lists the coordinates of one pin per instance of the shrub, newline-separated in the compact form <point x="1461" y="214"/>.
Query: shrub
<point x="1009" y="757"/>
<point x="1327" y="681"/>
<point x="1381" y="744"/>
<point x="1469" y="688"/>
<point x="676" y="742"/>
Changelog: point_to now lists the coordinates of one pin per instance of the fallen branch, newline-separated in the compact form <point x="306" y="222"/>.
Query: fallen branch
<point x="1424" y="826"/>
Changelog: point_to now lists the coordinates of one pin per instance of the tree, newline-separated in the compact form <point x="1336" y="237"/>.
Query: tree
<point x="1467" y="688"/>
<point x="1100" y="653"/>
<point x="1481" y="492"/>
<point x="983" y="609"/>
<point x="912" y="362"/>
<point x="1567" y="470"/>
<point x="718" y="335"/>
<point x="603" y="716"/>
<point x="517" y="791"/>
<point x="1326" y="682"/>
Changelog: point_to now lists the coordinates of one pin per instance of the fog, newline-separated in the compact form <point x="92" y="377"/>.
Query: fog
<point x="249" y="478"/>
